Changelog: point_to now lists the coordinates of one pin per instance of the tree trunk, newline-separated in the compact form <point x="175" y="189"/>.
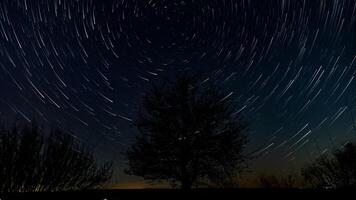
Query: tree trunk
<point x="186" y="184"/>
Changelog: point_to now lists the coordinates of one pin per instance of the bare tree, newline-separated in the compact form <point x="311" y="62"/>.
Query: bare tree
<point x="189" y="132"/>
<point x="336" y="171"/>
<point x="30" y="162"/>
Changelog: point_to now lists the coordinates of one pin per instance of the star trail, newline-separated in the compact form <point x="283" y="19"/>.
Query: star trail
<point x="83" y="65"/>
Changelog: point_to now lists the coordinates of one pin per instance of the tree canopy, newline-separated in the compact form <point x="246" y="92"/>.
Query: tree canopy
<point x="190" y="132"/>
<point x="336" y="171"/>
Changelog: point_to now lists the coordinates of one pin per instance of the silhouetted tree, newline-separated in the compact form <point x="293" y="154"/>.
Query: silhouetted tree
<point x="189" y="132"/>
<point x="272" y="181"/>
<point x="336" y="171"/>
<point x="29" y="162"/>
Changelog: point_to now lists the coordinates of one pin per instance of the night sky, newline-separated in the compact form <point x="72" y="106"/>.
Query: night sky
<point x="83" y="65"/>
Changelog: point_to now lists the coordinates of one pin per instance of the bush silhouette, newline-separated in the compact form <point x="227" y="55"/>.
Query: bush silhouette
<point x="272" y="181"/>
<point x="336" y="171"/>
<point x="189" y="133"/>
<point x="31" y="162"/>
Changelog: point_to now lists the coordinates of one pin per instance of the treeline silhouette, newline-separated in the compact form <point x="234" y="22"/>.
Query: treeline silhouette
<point x="32" y="162"/>
<point x="190" y="135"/>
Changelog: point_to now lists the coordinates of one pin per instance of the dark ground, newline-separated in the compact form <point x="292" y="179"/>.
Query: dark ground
<point x="300" y="194"/>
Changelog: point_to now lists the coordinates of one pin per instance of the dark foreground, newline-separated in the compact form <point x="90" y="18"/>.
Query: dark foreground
<point x="302" y="194"/>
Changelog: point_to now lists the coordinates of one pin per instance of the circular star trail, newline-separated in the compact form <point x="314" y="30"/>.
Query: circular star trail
<point x="83" y="65"/>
